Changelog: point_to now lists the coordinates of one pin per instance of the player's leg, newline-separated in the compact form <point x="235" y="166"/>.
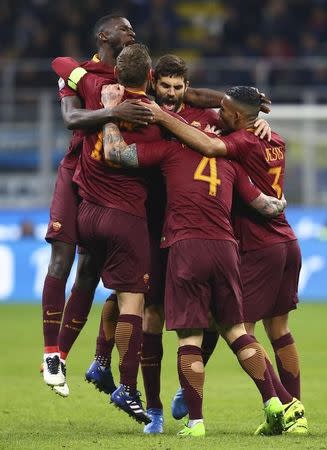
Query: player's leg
<point x="277" y="326"/>
<point x="62" y="235"/>
<point x="99" y="372"/>
<point x="152" y="349"/>
<point x="128" y="338"/>
<point x="209" y="342"/>
<point x="191" y="378"/>
<point x="286" y="354"/>
<point x="126" y="270"/>
<point x="187" y="302"/>
<point x="151" y="357"/>
<point x="252" y="358"/>
<point x="228" y="310"/>
<point x="79" y="303"/>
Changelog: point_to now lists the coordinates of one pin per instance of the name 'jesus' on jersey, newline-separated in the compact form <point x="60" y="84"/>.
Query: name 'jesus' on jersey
<point x="264" y="161"/>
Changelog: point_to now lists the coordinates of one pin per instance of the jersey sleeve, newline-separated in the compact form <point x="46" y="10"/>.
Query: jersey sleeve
<point x="235" y="145"/>
<point x="244" y="185"/>
<point x="154" y="153"/>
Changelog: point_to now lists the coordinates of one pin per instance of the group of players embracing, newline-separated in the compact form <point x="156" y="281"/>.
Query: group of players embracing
<point x="147" y="193"/>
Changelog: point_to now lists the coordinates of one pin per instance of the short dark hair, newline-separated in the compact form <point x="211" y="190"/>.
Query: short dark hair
<point x="98" y="27"/>
<point x="133" y="65"/>
<point x="247" y="95"/>
<point x="170" y="66"/>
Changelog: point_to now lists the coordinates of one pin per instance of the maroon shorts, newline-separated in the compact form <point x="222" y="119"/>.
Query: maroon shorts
<point x="202" y="275"/>
<point x="119" y="242"/>
<point x="156" y="294"/>
<point x="63" y="211"/>
<point x="270" y="280"/>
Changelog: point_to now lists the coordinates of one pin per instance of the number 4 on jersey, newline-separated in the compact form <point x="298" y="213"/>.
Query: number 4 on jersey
<point x="212" y="178"/>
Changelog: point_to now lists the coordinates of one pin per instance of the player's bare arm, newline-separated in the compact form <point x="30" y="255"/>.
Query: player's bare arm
<point x="209" y="98"/>
<point x="116" y="150"/>
<point x="269" y="206"/>
<point x="191" y="136"/>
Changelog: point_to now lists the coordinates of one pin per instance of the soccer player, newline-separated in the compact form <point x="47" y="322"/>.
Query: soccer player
<point x="270" y="254"/>
<point x="112" y="221"/>
<point x="198" y="225"/>
<point x="111" y="33"/>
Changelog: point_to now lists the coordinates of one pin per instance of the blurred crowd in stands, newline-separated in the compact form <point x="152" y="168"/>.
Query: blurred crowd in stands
<point x="281" y="29"/>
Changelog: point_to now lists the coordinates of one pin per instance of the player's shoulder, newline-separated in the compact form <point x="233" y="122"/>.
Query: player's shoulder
<point x="277" y="139"/>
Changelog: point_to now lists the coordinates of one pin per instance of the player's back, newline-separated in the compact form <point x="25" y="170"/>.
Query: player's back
<point x="264" y="161"/>
<point x="112" y="187"/>
<point x="199" y="192"/>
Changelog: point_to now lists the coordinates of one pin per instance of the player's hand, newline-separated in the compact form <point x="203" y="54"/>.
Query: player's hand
<point x="133" y="111"/>
<point x="111" y="95"/>
<point x="262" y="129"/>
<point x="156" y="111"/>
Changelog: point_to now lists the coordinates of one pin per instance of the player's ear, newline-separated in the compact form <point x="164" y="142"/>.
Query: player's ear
<point x="102" y="36"/>
<point x="150" y="75"/>
<point x="187" y="83"/>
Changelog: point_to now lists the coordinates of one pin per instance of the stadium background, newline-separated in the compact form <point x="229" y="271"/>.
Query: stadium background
<point x="279" y="46"/>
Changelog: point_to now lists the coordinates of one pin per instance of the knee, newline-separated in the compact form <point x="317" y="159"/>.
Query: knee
<point x="153" y="319"/>
<point x="60" y="266"/>
<point x="276" y="327"/>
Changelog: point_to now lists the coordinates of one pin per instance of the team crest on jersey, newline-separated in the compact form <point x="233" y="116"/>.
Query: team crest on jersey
<point x="146" y="278"/>
<point x="61" y="83"/>
<point x="56" y="226"/>
<point x="196" y="124"/>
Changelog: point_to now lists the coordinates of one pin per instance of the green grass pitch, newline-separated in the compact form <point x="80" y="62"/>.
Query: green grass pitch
<point x="32" y="416"/>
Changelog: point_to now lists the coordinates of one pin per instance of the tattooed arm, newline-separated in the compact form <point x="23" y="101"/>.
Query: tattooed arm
<point x="269" y="206"/>
<point x="116" y="150"/>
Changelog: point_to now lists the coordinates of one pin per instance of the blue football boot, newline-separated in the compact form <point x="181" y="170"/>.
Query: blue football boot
<point x="179" y="407"/>
<point x="101" y="377"/>
<point x="157" y="421"/>
<point x="131" y="404"/>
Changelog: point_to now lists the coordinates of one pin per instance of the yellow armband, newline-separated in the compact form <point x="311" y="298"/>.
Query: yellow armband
<point x="75" y="77"/>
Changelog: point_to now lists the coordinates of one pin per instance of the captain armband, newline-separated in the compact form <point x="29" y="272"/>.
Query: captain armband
<point x="75" y="77"/>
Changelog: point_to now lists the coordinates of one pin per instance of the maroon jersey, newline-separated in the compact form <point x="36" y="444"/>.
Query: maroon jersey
<point x="207" y="120"/>
<point x="112" y="187"/>
<point x="75" y="146"/>
<point x="265" y="163"/>
<point x="199" y="191"/>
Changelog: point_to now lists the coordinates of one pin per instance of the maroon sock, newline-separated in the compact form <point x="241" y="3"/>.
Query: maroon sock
<point x="128" y="339"/>
<point x="75" y="316"/>
<point x="287" y="360"/>
<point x="255" y="366"/>
<point x="104" y="347"/>
<point x="107" y="328"/>
<point x="151" y="357"/>
<point x="210" y="339"/>
<point x="281" y="392"/>
<point x="53" y="302"/>
<point x="191" y="378"/>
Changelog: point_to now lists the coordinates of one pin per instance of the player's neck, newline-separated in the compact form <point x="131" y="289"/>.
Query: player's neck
<point x="106" y="57"/>
<point x="136" y="90"/>
<point x="245" y="125"/>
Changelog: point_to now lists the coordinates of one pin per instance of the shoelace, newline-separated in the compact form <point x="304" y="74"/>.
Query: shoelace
<point x="53" y="364"/>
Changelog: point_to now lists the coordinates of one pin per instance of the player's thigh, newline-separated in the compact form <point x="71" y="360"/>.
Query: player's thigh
<point x="127" y="264"/>
<point x="287" y="297"/>
<point x="63" y="210"/>
<point x="187" y="292"/>
<point x="261" y="274"/>
<point x="226" y="284"/>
